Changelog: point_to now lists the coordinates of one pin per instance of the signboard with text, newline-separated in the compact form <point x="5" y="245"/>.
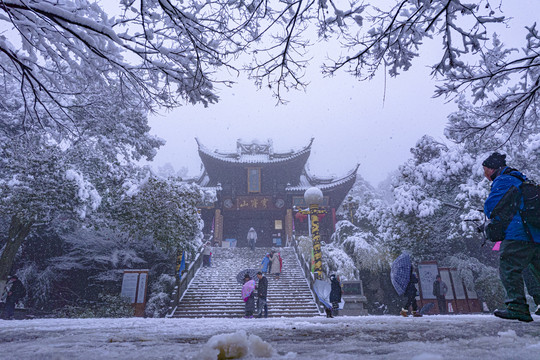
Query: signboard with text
<point x="134" y="286"/>
<point x="255" y="203"/>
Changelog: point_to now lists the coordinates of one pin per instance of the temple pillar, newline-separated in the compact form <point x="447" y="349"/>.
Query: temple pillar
<point x="288" y="226"/>
<point x="218" y="226"/>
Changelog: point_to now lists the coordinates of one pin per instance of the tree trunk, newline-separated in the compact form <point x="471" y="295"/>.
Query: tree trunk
<point x="18" y="231"/>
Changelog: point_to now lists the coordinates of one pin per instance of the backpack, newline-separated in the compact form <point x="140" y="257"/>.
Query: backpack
<point x="502" y="215"/>
<point x="530" y="191"/>
<point x="509" y="205"/>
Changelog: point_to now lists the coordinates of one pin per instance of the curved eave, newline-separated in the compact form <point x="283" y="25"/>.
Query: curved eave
<point x="203" y="181"/>
<point x="350" y="178"/>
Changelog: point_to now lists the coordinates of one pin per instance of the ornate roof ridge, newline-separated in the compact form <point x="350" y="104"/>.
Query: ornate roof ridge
<point x="253" y="152"/>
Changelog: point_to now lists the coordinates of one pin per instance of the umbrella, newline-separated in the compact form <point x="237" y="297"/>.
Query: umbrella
<point x="322" y="289"/>
<point x="400" y="273"/>
<point x="247" y="289"/>
<point x="251" y="272"/>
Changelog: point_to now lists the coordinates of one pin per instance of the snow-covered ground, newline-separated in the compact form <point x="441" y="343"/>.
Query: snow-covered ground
<point x="369" y="337"/>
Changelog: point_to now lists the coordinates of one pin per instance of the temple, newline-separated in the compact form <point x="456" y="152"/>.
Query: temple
<point x="260" y="188"/>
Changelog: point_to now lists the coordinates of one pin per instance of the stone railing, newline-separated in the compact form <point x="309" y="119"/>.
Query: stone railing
<point x="187" y="276"/>
<point x="306" y="268"/>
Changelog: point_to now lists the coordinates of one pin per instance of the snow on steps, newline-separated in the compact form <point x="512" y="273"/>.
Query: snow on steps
<point x="214" y="292"/>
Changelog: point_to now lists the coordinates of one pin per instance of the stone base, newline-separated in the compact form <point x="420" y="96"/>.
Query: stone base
<point x="354" y="305"/>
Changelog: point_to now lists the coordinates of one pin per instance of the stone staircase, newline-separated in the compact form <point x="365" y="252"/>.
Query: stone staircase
<point x="215" y="292"/>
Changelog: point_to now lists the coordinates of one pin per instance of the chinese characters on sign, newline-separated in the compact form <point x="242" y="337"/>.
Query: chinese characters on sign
<point x="255" y="203"/>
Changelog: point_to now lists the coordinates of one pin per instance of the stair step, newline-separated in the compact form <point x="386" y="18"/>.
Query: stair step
<point x="215" y="292"/>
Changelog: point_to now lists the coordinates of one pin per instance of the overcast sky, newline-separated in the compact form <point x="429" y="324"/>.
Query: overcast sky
<point x="371" y="123"/>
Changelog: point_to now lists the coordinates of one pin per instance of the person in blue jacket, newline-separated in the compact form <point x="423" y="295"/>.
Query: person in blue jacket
<point x="520" y="247"/>
<point x="265" y="262"/>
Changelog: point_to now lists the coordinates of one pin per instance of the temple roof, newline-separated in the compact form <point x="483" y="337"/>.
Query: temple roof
<point x="253" y="153"/>
<point x="325" y="184"/>
<point x="285" y="172"/>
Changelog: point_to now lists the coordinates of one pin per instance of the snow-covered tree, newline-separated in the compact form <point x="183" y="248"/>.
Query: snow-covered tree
<point x="360" y="246"/>
<point x="431" y="202"/>
<point x="37" y="186"/>
<point x="164" y="51"/>
<point x="472" y="57"/>
<point x="520" y="142"/>
<point x="159" y="51"/>
<point x="159" y="298"/>
<point x="166" y="211"/>
<point x="50" y="171"/>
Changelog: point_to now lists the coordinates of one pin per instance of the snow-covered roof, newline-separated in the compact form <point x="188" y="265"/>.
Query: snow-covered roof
<point x="307" y="181"/>
<point x="253" y="153"/>
<point x="204" y="181"/>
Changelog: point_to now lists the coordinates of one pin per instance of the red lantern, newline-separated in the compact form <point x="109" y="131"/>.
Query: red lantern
<point x="300" y="217"/>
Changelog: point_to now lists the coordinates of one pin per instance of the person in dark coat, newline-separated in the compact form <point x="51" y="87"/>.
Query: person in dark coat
<point x="520" y="247"/>
<point x="335" y="294"/>
<point x="262" y="292"/>
<point x="439" y="291"/>
<point x="410" y="293"/>
<point x="15" y="291"/>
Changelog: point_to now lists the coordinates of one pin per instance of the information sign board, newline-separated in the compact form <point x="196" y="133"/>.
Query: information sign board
<point x="129" y="286"/>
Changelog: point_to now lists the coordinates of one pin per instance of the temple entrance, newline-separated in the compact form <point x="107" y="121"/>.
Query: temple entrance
<point x="259" y="187"/>
<point x="237" y="227"/>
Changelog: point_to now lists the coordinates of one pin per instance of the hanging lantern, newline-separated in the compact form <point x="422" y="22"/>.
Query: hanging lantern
<point x="300" y="217"/>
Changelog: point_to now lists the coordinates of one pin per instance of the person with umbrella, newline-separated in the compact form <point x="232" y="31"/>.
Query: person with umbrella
<point x="248" y="295"/>
<point x="410" y="293"/>
<point x="404" y="280"/>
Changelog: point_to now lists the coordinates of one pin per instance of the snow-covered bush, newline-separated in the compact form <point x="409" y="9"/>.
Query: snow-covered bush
<point x="38" y="284"/>
<point x="165" y="210"/>
<point x="107" y="306"/>
<point x="159" y="298"/>
<point x="359" y="245"/>
<point x="73" y="268"/>
<point x="305" y="246"/>
<point x="336" y="261"/>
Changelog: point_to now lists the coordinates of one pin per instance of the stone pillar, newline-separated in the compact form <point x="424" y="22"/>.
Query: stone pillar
<point x="288" y="225"/>
<point x="218" y="226"/>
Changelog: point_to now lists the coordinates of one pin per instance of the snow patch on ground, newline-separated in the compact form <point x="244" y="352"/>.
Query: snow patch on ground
<point x="236" y="346"/>
<point x="440" y="337"/>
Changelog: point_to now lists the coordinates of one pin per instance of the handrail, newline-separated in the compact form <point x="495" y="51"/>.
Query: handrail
<point x="182" y="284"/>
<point x="306" y="267"/>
